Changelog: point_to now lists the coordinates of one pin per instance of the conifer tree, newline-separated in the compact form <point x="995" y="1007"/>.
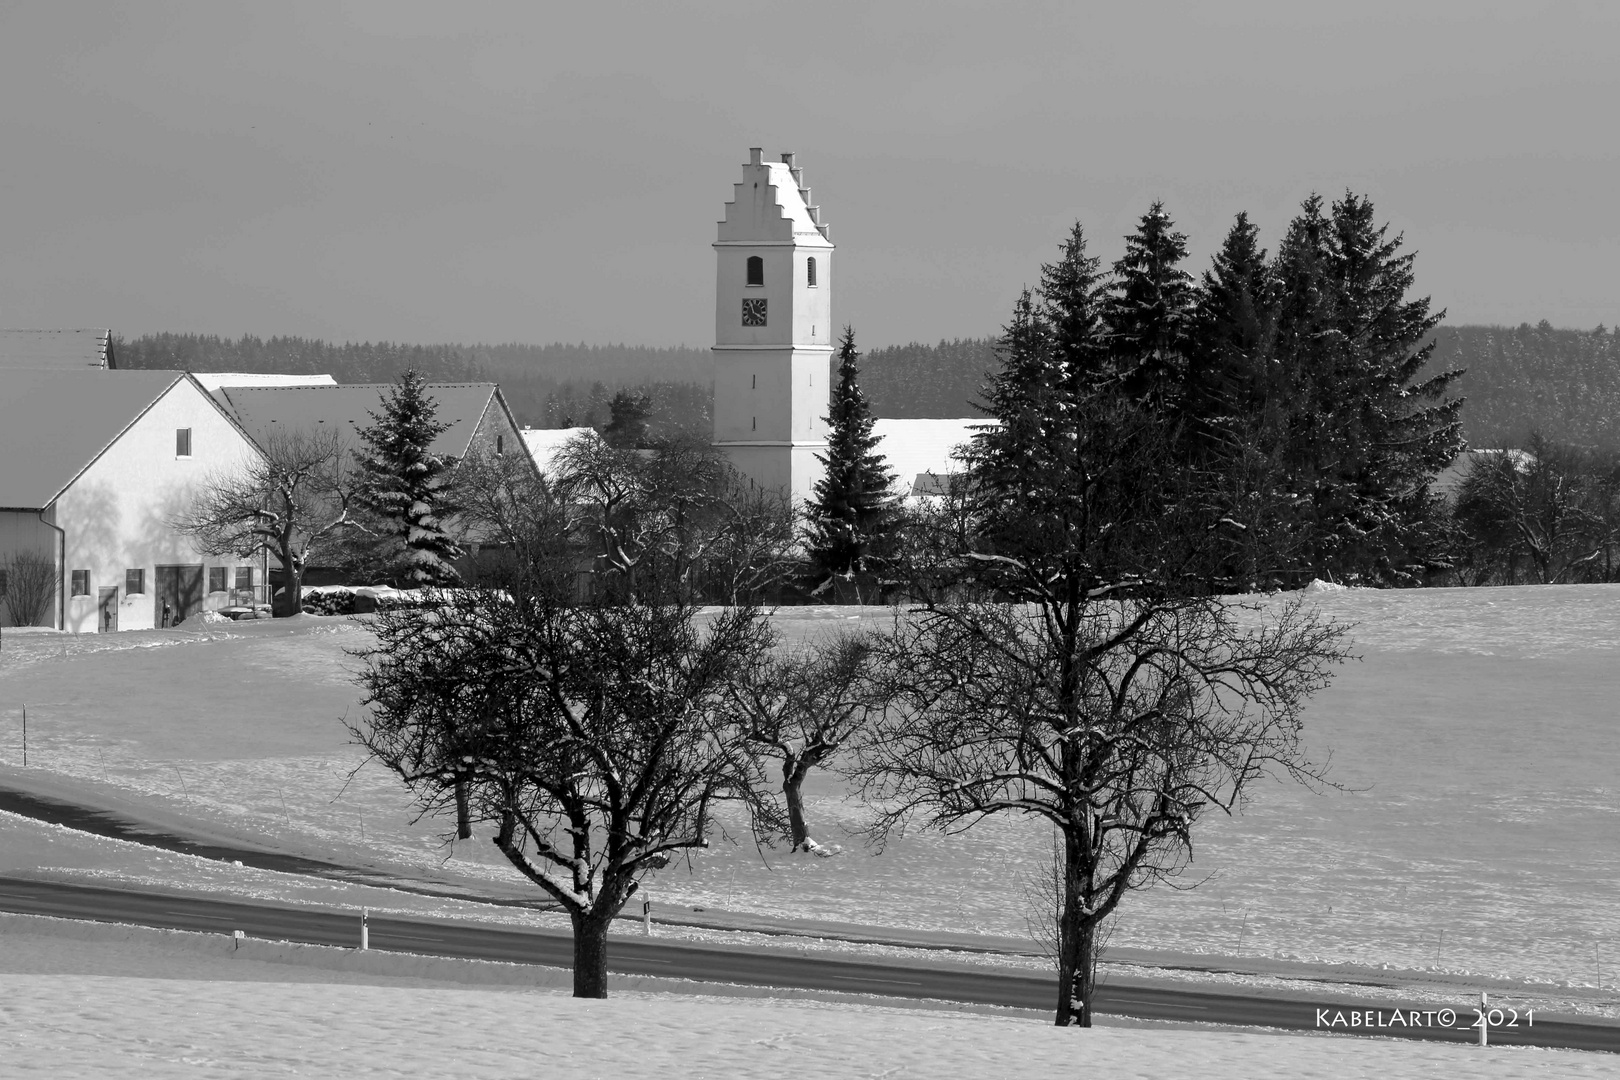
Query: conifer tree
<point x="1149" y="309"/>
<point x="403" y="483"/>
<point x="1366" y="435"/>
<point x="1073" y="295"/>
<point x="1228" y="385"/>
<point x="851" y="511"/>
<point x="626" y="428"/>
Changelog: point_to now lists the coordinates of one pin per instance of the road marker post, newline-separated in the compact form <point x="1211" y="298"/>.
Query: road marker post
<point x="365" y="929"/>
<point x="646" y="917"/>
<point x="1484" y="1020"/>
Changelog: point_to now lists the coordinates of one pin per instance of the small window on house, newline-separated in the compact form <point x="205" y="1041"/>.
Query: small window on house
<point x="500" y="445"/>
<point x="134" y="582"/>
<point x="182" y="442"/>
<point x="219" y="578"/>
<point x="756" y="270"/>
<point x="810" y="272"/>
<point x="244" y="578"/>
<point x="81" y="583"/>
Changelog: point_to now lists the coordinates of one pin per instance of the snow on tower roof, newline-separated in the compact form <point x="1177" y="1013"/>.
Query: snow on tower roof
<point x="772" y="203"/>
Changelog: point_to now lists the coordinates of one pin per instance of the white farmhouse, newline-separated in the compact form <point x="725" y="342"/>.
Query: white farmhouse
<point x="94" y="464"/>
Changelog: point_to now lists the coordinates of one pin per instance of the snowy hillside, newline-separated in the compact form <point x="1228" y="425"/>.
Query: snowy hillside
<point x="1478" y="829"/>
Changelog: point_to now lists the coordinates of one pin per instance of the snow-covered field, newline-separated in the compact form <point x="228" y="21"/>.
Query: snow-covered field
<point x="97" y="1002"/>
<point x="1476" y="738"/>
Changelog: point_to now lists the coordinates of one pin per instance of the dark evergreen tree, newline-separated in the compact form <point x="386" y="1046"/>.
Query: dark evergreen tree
<point x="1229" y="383"/>
<point x="1366" y="435"/>
<point x="1073" y="297"/>
<point x="1149" y="309"/>
<point x="852" y="509"/>
<point x="403" y="484"/>
<point x="626" y="428"/>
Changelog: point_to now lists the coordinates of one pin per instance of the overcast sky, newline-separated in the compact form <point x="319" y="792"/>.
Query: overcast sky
<point x="539" y="172"/>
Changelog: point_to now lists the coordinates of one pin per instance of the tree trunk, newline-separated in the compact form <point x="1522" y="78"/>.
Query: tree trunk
<point x="1077" y="943"/>
<point x="463" y="811"/>
<point x="590" y="954"/>
<point x="292" y="589"/>
<point x="793" y="773"/>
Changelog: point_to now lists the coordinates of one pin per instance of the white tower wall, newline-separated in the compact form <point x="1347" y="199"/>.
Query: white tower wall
<point x="770" y="380"/>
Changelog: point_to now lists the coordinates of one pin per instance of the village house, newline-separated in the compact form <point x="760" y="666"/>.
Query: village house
<point x="94" y="465"/>
<point x="476" y="418"/>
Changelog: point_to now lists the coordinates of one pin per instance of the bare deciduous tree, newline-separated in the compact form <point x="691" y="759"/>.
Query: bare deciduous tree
<point x="1550" y="503"/>
<point x="294" y="499"/>
<point x="598" y="738"/>
<point x="803" y="706"/>
<point x="1120" y="722"/>
<point x="31" y="584"/>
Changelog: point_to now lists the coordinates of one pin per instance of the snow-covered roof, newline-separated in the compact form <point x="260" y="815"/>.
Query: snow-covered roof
<point x="544" y="443"/>
<point x="914" y="448"/>
<point x="213" y="380"/>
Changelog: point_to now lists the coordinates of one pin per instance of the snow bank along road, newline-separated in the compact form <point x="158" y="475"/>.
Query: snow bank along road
<point x="760" y="967"/>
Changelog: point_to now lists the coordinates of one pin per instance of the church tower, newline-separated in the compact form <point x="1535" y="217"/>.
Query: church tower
<point x="773" y="332"/>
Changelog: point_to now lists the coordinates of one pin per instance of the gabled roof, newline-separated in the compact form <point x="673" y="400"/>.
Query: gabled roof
<point x="265" y="410"/>
<point x="54" y="424"/>
<point x="55" y="350"/>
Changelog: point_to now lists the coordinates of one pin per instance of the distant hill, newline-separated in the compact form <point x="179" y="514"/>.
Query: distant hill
<point x="1563" y="383"/>
<point x="1566" y="383"/>
<point x="546" y="385"/>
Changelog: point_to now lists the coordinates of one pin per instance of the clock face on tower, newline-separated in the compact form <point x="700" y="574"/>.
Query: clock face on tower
<point x="753" y="311"/>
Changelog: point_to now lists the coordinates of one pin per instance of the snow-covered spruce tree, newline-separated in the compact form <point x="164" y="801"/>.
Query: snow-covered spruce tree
<point x="1072" y="298"/>
<point x="1067" y="661"/>
<point x="1366" y="433"/>
<point x="1229" y="386"/>
<point x="852" y="508"/>
<point x="404" y="484"/>
<point x="1149" y="308"/>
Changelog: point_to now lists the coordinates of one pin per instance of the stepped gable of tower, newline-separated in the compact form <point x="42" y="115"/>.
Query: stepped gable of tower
<point x="772" y="204"/>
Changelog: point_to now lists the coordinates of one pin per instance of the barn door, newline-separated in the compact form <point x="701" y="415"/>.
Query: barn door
<point x="107" y="602"/>
<point x="181" y="588"/>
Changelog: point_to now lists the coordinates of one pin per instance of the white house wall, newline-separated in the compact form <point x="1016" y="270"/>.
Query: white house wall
<point x="115" y="515"/>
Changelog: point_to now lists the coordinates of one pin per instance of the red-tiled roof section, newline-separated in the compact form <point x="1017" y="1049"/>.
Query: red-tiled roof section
<point x="54" y="423"/>
<point x="55" y="350"/>
<point x="262" y="410"/>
